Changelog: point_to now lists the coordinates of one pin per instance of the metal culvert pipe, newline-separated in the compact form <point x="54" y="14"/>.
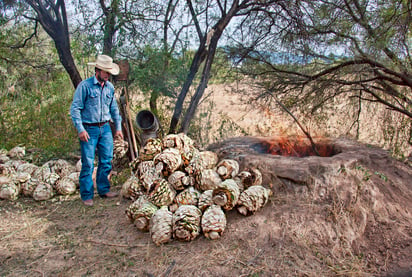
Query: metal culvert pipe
<point x="148" y="124"/>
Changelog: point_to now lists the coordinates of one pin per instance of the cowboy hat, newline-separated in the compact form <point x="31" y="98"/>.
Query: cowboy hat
<point x="106" y="63"/>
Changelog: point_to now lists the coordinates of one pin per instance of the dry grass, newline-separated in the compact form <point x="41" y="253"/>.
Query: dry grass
<point x="292" y="236"/>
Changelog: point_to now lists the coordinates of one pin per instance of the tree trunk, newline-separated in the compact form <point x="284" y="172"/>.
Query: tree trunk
<point x="153" y="102"/>
<point x="66" y="59"/>
<point x="202" y="86"/>
<point x="53" y="19"/>
<point x="207" y="49"/>
<point x="194" y="67"/>
<point x="109" y="26"/>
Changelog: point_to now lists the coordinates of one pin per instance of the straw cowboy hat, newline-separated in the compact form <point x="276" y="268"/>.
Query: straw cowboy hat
<point x="106" y="63"/>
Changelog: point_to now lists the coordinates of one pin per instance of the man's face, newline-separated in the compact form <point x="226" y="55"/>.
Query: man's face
<point x="102" y="76"/>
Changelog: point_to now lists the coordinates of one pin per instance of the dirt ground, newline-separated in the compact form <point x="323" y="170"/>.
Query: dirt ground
<point x="293" y="235"/>
<point x="61" y="237"/>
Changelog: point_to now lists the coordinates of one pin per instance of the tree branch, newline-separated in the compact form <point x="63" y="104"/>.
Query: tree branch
<point x="314" y="147"/>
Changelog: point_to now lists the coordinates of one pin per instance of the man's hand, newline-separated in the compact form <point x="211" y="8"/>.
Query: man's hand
<point x="84" y="136"/>
<point x="119" y="134"/>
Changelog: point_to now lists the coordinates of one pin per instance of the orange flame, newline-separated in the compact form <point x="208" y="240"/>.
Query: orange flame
<point x="296" y="147"/>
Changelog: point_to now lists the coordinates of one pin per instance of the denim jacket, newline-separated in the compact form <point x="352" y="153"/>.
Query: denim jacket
<point x="92" y="104"/>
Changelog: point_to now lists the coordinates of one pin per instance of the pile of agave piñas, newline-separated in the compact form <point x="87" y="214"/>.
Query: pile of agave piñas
<point x="56" y="177"/>
<point x="19" y="177"/>
<point x="180" y="192"/>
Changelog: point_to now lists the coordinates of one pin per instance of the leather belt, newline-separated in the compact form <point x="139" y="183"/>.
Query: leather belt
<point x="99" y="124"/>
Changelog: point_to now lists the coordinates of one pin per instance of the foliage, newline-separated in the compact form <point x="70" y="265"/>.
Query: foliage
<point x="317" y="56"/>
<point x="158" y="72"/>
<point x="40" y="119"/>
<point x="119" y="28"/>
<point x="305" y="53"/>
<point x="35" y="98"/>
<point x="222" y="70"/>
<point x="207" y="128"/>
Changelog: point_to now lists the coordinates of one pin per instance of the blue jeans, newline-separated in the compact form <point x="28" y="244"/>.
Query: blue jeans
<point x="101" y="139"/>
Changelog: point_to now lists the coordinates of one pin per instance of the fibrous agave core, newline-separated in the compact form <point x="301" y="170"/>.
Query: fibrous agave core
<point x="43" y="191"/>
<point x="152" y="147"/>
<point x="177" y="180"/>
<point x="27" y="167"/>
<point x="7" y="169"/>
<point x="140" y="212"/>
<point x="250" y="177"/>
<point x="27" y="188"/>
<point x="65" y="186"/>
<point x="22" y="176"/>
<point x="41" y="173"/>
<point x="168" y="161"/>
<point x="227" y="169"/>
<point x="161" y="193"/>
<point x="147" y="174"/>
<point x="189" y="196"/>
<point x="172" y="141"/>
<point x="186" y="222"/>
<point x="253" y="199"/>
<point x="208" y="179"/>
<point x="120" y="148"/>
<point x="3" y="156"/>
<point x="5" y="179"/>
<point x="205" y="200"/>
<point x="74" y="176"/>
<point x="51" y="178"/>
<point x="161" y="230"/>
<point x="78" y="165"/>
<point x="213" y="222"/>
<point x="9" y="191"/>
<point x="195" y="167"/>
<point x="131" y="210"/>
<point x="209" y="159"/>
<point x="226" y="194"/>
<point x="131" y="189"/>
<point x="187" y="148"/>
<point x="60" y="167"/>
<point x="17" y="152"/>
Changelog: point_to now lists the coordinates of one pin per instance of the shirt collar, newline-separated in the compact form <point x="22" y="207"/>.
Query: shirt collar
<point x="96" y="82"/>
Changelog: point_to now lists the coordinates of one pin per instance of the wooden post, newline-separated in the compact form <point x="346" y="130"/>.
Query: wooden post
<point x="123" y="77"/>
<point x="126" y="120"/>
<point x="134" y="143"/>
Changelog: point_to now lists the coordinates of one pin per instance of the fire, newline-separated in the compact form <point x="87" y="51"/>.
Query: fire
<point x="295" y="147"/>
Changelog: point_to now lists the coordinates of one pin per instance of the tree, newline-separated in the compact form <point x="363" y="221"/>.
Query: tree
<point x="111" y="25"/>
<point x="356" y="48"/>
<point x="330" y="47"/>
<point x="135" y="29"/>
<point x="167" y="72"/>
<point x="53" y="18"/>
<point x="218" y="16"/>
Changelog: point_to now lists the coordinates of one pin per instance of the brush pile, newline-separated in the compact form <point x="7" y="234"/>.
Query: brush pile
<point x="180" y="192"/>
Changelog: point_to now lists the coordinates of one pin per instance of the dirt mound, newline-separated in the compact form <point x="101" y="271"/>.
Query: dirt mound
<point x="351" y="211"/>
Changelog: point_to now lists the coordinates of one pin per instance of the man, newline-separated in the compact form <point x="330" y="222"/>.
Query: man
<point x="93" y="106"/>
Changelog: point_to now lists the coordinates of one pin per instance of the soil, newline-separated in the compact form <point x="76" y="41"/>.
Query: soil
<point x="298" y="233"/>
